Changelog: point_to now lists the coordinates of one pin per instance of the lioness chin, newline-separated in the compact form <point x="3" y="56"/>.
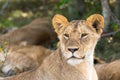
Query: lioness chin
<point x="73" y="59"/>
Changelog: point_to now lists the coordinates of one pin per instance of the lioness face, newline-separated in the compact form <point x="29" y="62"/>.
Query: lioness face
<point x="79" y="37"/>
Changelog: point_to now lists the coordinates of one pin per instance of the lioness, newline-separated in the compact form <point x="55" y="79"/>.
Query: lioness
<point x="108" y="71"/>
<point x="73" y="59"/>
<point x="39" y="31"/>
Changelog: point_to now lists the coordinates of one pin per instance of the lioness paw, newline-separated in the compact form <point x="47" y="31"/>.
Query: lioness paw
<point x="10" y="70"/>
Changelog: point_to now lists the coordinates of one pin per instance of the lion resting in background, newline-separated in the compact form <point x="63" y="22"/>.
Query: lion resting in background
<point x="73" y="59"/>
<point x="108" y="71"/>
<point x="39" y="31"/>
<point x="24" y="58"/>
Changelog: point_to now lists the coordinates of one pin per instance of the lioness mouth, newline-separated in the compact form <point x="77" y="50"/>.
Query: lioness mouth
<point x="73" y="57"/>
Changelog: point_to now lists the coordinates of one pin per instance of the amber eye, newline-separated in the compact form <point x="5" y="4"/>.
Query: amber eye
<point x="66" y="36"/>
<point x="84" y="35"/>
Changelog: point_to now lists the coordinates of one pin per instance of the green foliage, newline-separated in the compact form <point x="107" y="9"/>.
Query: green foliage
<point x="42" y="8"/>
<point x="108" y="51"/>
<point x="117" y="36"/>
<point x="92" y="6"/>
<point x="6" y="23"/>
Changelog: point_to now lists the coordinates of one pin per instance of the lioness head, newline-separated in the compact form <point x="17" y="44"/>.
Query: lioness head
<point x="78" y="37"/>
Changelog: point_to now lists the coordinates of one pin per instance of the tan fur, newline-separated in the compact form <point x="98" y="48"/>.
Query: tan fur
<point x="73" y="60"/>
<point x="109" y="71"/>
<point x="39" y="31"/>
<point x="24" y="58"/>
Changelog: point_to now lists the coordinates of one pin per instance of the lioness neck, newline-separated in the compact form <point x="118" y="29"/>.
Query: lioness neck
<point x="58" y="66"/>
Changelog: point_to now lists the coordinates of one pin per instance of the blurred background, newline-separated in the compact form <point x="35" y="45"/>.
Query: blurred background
<point x="17" y="13"/>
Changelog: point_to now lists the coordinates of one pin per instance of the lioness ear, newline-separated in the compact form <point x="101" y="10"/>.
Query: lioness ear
<point x="59" y="23"/>
<point x="97" y="22"/>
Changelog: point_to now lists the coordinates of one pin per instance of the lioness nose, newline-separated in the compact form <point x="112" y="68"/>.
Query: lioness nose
<point x="73" y="49"/>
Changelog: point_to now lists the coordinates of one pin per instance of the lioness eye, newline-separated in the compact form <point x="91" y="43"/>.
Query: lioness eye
<point x="84" y="35"/>
<point x="66" y="36"/>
